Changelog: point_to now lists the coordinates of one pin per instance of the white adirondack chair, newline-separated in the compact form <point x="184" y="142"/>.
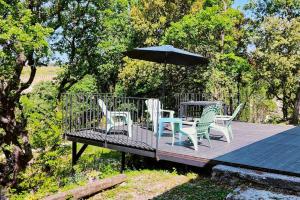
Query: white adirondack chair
<point x="110" y="115"/>
<point x="226" y="129"/>
<point x="156" y="112"/>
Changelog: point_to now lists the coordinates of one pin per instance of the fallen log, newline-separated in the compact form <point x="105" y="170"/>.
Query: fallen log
<point x="89" y="189"/>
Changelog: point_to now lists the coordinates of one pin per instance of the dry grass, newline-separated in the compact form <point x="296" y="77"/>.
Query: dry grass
<point x="42" y="74"/>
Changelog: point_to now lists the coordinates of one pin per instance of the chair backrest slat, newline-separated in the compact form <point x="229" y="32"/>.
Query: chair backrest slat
<point x="207" y="118"/>
<point x="153" y="108"/>
<point x="237" y="110"/>
<point x="102" y="106"/>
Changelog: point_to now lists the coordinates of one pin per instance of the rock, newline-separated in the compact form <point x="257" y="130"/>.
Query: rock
<point x="255" y="194"/>
<point x="229" y="175"/>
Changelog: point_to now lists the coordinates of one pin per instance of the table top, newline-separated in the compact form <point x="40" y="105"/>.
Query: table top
<point x="164" y="119"/>
<point x="200" y="103"/>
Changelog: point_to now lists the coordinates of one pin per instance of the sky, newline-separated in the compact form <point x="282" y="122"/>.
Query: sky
<point x="239" y="3"/>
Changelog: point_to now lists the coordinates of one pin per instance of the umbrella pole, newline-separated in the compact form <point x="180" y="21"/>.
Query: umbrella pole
<point x="164" y="83"/>
<point x="164" y="79"/>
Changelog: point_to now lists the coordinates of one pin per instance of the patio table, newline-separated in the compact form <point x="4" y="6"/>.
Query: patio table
<point x="177" y="122"/>
<point x="184" y="105"/>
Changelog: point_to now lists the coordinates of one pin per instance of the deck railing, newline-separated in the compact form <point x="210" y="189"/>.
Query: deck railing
<point x="111" y="119"/>
<point x="121" y="120"/>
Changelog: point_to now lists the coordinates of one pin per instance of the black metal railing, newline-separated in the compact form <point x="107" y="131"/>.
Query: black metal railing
<point x="111" y="119"/>
<point x="122" y="120"/>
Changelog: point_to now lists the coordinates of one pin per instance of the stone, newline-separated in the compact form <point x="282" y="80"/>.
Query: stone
<point x="229" y="175"/>
<point x="255" y="194"/>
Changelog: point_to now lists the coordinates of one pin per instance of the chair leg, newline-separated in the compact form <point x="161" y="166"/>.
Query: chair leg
<point x="230" y="131"/>
<point x="129" y="124"/>
<point x="173" y="136"/>
<point x="208" y="139"/>
<point x="226" y="134"/>
<point x="108" y="127"/>
<point x="194" y="141"/>
<point x="200" y="137"/>
<point x="172" y="124"/>
<point x="130" y="129"/>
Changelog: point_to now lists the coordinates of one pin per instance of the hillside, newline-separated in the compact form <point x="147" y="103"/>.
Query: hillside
<point x="42" y="74"/>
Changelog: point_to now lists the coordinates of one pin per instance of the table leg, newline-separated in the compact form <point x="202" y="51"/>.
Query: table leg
<point x="181" y="111"/>
<point x="160" y="128"/>
<point x="174" y="130"/>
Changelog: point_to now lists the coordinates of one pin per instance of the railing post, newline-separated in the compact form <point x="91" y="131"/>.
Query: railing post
<point x="106" y="118"/>
<point x="157" y="128"/>
<point x="64" y="104"/>
<point x="70" y="117"/>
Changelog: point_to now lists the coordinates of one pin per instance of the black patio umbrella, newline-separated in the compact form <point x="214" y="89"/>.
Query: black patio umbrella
<point x="166" y="54"/>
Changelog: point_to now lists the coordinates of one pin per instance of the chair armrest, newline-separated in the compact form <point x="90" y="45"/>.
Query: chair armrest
<point x="188" y="123"/>
<point x="223" y="116"/>
<point x="169" y="111"/>
<point x="119" y="113"/>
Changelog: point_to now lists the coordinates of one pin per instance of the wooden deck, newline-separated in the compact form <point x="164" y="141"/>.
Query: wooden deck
<point x="272" y="148"/>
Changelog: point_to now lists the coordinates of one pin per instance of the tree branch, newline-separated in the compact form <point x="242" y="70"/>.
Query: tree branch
<point x="26" y="85"/>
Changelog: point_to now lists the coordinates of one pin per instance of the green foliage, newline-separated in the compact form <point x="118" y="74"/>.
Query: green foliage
<point x="51" y="169"/>
<point x="23" y="42"/>
<point x="140" y="78"/>
<point x="86" y="85"/>
<point x="92" y="36"/>
<point x="44" y="118"/>
<point x="276" y="35"/>
<point x="19" y="35"/>
<point x="151" y="18"/>
<point x="282" y="8"/>
<point x="219" y="34"/>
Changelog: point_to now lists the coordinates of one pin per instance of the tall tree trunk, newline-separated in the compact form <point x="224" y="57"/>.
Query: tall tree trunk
<point x="230" y="102"/>
<point x="223" y="32"/>
<point x="14" y="142"/>
<point x="19" y="154"/>
<point x="284" y="108"/>
<point x="296" y="111"/>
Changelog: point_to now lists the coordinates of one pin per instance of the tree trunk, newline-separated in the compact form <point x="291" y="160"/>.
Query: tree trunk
<point x="89" y="189"/>
<point x="284" y="108"/>
<point x="296" y="112"/>
<point x="223" y="32"/>
<point x="18" y="156"/>
<point x="230" y="102"/>
<point x="14" y="142"/>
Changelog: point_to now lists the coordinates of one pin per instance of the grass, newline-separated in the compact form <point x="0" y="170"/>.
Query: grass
<point x="161" y="184"/>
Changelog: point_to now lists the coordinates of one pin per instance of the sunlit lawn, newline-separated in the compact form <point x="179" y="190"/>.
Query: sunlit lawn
<point x="158" y="183"/>
<point x="161" y="184"/>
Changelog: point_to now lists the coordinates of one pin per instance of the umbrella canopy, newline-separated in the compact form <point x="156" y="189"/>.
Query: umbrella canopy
<point x="167" y="54"/>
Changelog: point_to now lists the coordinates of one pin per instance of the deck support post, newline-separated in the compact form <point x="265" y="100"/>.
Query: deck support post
<point x="122" y="162"/>
<point x="75" y="155"/>
<point x="74" y="150"/>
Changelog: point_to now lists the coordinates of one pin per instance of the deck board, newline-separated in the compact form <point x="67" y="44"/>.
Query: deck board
<point x="262" y="146"/>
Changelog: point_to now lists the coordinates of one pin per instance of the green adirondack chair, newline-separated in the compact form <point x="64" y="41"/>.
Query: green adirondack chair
<point x="201" y="126"/>
<point x="226" y="129"/>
